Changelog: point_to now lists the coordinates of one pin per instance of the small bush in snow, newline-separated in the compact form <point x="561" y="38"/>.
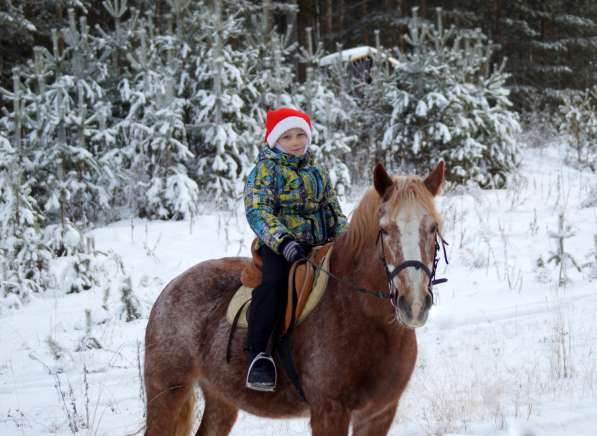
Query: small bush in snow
<point x="90" y="268"/>
<point x="561" y="257"/>
<point x="131" y="309"/>
<point x="591" y="200"/>
<point x="55" y="348"/>
<point x="579" y="121"/>
<point x="88" y="342"/>
<point x="592" y="260"/>
<point x="78" y="275"/>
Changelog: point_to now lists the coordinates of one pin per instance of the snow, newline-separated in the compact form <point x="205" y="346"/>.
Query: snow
<point x="353" y="54"/>
<point x="506" y="352"/>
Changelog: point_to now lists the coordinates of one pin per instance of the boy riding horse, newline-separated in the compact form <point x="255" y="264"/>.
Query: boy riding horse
<point x="291" y="206"/>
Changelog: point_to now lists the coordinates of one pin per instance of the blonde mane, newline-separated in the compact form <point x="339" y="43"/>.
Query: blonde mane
<point x="364" y="224"/>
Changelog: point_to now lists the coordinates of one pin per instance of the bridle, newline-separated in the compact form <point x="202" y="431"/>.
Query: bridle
<point x="393" y="293"/>
<point x="414" y="264"/>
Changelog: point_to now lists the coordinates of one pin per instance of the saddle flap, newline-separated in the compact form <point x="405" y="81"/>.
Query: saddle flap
<point x="251" y="276"/>
<point x="302" y="279"/>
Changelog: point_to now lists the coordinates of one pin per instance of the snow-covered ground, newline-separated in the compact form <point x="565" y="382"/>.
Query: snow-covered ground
<point x="506" y="351"/>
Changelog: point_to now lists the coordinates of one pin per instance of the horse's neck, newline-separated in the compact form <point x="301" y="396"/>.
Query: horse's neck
<point x="363" y="269"/>
<point x="352" y="266"/>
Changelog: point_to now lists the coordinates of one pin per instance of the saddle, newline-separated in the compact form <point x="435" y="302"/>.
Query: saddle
<point x="306" y="286"/>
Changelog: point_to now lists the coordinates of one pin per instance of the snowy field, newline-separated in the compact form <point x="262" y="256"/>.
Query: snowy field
<point x="506" y="351"/>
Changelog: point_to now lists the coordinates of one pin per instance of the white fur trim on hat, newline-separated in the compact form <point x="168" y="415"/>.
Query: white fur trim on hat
<point x="287" y="124"/>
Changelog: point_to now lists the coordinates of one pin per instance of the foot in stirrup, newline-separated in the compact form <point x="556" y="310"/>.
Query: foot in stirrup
<point x="262" y="373"/>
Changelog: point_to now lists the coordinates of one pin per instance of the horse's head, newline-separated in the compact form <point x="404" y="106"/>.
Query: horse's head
<point x="408" y="230"/>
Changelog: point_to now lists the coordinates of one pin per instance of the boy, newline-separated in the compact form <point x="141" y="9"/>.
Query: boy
<point x="291" y="206"/>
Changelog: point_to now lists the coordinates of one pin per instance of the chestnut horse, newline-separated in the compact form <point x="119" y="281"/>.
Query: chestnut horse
<point x="354" y="353"/>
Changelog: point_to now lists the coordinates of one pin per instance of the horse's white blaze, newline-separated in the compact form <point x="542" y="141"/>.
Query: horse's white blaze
<point x="409" y="223"/>
<point x="408" y="247"/>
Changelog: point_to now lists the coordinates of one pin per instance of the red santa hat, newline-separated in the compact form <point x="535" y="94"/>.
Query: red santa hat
<point x="280" y="120"/>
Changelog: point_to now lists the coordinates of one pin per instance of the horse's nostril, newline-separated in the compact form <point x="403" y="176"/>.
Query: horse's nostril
<point x="404" y="306"/>
<point x="428" y="301"/>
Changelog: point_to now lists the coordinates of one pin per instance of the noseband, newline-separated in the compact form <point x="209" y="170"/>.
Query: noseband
<point x="414" y="264"/>
<point x="393" y="294"/>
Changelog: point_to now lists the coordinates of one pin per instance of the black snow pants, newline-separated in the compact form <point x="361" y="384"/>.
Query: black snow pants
<point x="268" y="301"/>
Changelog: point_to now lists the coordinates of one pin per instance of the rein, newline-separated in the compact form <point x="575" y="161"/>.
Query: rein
<point x="392" y="295"/>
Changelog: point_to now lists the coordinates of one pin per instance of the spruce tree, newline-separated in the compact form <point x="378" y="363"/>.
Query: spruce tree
<point x="446" y="104"/>
<point x="157" y="150"/>
<point x="24" y="258"/>
<point x="219" y="76"/>
<point x="330" y="109"/>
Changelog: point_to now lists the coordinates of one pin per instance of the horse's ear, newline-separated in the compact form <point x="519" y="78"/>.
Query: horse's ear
<point x="435" y="180"/>
<point x="381" y="180"/>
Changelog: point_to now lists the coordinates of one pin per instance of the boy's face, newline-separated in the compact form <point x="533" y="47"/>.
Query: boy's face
<point x="294" y="141"/>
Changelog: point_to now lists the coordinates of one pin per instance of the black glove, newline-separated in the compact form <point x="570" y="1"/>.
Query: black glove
<point x="292" y="251"/>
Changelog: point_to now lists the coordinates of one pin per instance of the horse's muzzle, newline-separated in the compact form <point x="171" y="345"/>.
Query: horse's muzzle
<point x="413" y="315"/>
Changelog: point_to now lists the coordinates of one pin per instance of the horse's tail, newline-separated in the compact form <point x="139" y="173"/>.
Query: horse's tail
<point x="184" y="423"/>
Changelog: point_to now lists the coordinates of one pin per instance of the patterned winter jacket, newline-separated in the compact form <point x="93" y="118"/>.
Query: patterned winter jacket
<point x="290" y="196"/>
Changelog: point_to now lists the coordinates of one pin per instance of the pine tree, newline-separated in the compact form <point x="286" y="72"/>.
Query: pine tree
<point x="17" y="31"/>
<point x="268" y="80"/>
<point x="155" y="127"/>
<point x="63" y="116"/>
<point x="330" y="108"/>
<point x="219" y="77"/>
<point x="370" y="118"/>
<point x="24" y="258"/>
<point x="579" y="122"/>
<point x="546" y="42"/>
<point x="447" y="105"/>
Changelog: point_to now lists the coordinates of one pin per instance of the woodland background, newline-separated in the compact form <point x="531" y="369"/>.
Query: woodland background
<point x="120" y="109"/>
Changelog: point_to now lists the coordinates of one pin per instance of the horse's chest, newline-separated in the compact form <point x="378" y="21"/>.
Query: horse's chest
<point x="379" y="370"/>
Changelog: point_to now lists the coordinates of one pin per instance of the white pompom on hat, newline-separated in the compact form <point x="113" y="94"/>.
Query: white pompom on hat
<point x="280" y="120"/>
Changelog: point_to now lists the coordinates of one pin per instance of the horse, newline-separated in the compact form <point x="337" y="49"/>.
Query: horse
<point x="354" y="353"/>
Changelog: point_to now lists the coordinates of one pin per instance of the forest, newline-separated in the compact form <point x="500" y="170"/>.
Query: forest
<point x="120" y="109"/>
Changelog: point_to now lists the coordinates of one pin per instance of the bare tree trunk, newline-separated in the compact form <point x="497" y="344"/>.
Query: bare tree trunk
<point x="327" y="28"/>
<point x="498" y="17"/>
<point x="317" y="18"/>
<point x="423" y="13"/>
<point x="403" y="5"/>
<point x="364" y="12"/>
<point x="158" y="15"/>
<point x="267" y="15"/>
<point x="291" y="23"/>
<point x="340" y="21"/>
<point x="302" y="22"/>
<point x="60" y="12"/>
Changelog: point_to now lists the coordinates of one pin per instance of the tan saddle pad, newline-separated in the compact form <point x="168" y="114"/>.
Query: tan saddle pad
<point x="310" y="284"/>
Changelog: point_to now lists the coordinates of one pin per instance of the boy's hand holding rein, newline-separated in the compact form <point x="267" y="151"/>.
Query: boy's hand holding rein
<point x="292" y="250"/>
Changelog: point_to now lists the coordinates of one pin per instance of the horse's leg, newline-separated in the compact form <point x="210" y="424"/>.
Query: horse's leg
<point x="170" y="409"/>
<point x="374" y="423"/>
<point x="218" y="416"/>
<point x="330" y="419"/>
<point x="168" y="390"/>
